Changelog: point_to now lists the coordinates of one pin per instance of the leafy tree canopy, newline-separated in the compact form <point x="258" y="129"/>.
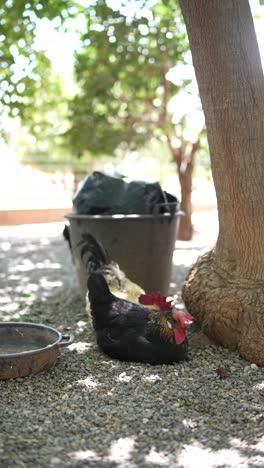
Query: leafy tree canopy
<point x="22" y="68"/>
<point x="148" y="41"/>
<point x="121" y="71"/>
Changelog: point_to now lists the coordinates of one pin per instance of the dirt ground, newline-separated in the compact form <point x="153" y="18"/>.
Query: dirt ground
<point x="92" y="411"/>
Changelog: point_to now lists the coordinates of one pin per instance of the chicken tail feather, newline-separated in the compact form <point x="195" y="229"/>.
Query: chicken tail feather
<point x="97" y="255"/>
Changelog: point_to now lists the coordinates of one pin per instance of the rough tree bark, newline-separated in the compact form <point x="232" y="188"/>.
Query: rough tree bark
<point x="225" y="288"/>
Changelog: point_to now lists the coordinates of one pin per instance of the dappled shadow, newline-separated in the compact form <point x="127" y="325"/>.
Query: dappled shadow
<point x="203" y="429"/>
<point x="92" y="411"/>
<point x="102" y="412"/>
<point x="34" y="267"/>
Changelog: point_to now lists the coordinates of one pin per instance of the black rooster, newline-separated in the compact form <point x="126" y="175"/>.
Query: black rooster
<point x="132" y="332"/>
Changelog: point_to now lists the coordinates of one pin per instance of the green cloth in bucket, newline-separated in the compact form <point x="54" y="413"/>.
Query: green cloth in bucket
<point x="104" y="194"/>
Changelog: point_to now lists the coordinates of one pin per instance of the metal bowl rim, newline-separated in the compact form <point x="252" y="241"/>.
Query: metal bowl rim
<point x="31" y="325"/>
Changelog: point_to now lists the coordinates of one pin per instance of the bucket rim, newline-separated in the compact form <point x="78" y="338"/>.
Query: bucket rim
<point x="119" y="217"/>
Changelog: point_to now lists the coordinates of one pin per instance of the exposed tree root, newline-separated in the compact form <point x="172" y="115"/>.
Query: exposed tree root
<point x="231" y="312"/>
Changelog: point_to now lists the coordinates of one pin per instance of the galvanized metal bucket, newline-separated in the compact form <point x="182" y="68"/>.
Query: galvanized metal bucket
<point x="142" y="245"/>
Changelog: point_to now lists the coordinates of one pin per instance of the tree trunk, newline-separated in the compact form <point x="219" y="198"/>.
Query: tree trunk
<point x="185" y="167"/>
<point x="185" y="230"/>
<point x="225" y="288"/>
<point x="185" y="162"/>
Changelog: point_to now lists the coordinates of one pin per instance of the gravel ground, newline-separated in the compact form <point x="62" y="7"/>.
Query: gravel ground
<point x="91" y="411"/>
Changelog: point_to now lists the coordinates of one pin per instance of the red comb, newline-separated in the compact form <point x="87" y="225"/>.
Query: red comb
<point x="156" y="299"/>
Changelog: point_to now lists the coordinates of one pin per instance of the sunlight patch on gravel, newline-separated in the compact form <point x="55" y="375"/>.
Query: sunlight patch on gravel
<point x="197" y="455"/>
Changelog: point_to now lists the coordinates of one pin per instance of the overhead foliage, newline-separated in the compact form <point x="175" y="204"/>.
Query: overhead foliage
<point x="121" y="71"/>
<point x="146" y="43"/>
<point x="22" y="68"/>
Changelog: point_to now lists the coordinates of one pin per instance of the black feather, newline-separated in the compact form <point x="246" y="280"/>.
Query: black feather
<point x="98" y="256"/>
<point x="96" y="259"/>
<point x="98" y="290"/>
<point x="67" y="237"/>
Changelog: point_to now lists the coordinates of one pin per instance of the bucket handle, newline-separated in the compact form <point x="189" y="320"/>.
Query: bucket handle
<point x="66" y="340"/>
<point x="171" y="207"/>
